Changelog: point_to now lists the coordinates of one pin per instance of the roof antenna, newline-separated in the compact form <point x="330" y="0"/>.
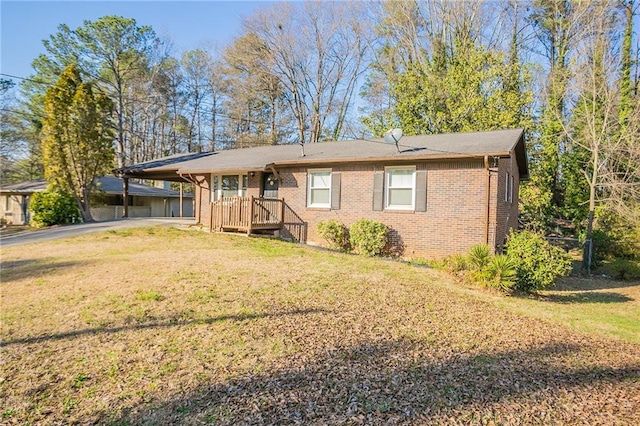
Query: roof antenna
<point x="393" y="136"/>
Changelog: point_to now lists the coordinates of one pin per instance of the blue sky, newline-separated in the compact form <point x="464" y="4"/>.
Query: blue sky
<point x="190" y="24"/>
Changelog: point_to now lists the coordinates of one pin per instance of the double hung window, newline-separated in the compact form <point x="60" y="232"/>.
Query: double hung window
<point x="400" y="188"/>
<point x="228" y="186"/>
<point x="319" y="188"/>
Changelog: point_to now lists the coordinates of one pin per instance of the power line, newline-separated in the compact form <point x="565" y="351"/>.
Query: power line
<point x="26" y="79"/>
<point x="25" y="114"/>
<point x="203" y="111"/>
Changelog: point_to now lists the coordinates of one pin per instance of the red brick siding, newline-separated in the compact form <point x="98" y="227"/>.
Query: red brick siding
<point x="454" y="220"/>
<point x="507" y="211"/>
<point x="254" y="184"/>
<point x="204" y="193"/>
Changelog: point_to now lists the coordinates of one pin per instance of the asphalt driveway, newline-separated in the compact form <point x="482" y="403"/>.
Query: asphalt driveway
<point x="67" y="231"/>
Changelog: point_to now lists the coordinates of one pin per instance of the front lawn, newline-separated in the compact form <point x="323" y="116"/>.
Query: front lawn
<point x="165" y="326"/>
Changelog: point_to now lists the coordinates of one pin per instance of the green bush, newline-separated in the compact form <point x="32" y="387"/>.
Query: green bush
<point x="368" y="237"/>
<point x="538" y="262"/>
<point x="603" y="246"/>
<point x="456" y="263"/>
<point x="621" y="269"/>
<point x="500" y="273"/>
<point x="535" y="205"/>
<point x="53" y="207"/>
<point x="615" y="236"/>
<point x="481" y="267"/>
<point x="479" y="256"/>
<point x="335" y="233"/>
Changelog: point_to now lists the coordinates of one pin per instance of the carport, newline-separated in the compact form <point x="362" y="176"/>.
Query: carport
<point x="164" y="169"/>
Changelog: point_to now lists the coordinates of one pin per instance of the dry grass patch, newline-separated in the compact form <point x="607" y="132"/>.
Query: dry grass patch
<point x="161" y="326"/>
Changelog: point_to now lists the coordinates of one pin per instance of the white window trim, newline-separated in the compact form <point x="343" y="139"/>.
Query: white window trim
<point x="506" y="188"/>
<point x="214" y="188"/>
<point x="309" y="189"/>
<point x="216" y="192"/>
<point x="387" y="206"/>
<point x="511" y="183"/>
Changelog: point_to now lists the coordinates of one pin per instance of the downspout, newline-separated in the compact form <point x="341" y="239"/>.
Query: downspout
<point x="488" y="209"/>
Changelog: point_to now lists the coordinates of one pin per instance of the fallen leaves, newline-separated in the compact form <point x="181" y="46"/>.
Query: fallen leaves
<point x="305" y="337"/>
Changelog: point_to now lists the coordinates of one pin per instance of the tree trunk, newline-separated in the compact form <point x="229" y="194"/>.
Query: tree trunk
<point x="85" y="208"/>
<point x="587" y="254"/>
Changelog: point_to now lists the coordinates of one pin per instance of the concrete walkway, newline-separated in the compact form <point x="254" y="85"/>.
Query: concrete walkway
<point x="67" y="231"/>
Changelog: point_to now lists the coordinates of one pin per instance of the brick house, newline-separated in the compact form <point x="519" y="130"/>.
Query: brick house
<point x="438" y="194"/>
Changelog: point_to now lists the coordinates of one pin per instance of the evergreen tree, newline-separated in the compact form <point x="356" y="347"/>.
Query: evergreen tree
<point x="469" y="89"/>
<point x="555" y="26"/>
<point x="111" y="52"/>
<point x="77" y="141"/>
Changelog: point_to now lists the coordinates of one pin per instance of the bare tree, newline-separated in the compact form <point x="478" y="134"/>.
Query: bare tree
<point x="609" y="158"/>
<point x="216" y="91"/>
<point x="254" y="93"/>
<point x="316" y="51"/>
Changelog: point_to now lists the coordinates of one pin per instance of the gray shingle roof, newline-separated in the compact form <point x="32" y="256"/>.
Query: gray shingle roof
<point x="476" y="144"/>
<point x="162" y="169"/>
<point x="454" y="145"/>
<point x="108" y="184"/>
<point x="28" y="187"/>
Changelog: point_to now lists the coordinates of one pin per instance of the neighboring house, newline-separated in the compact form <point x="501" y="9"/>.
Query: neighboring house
<point x="145" y="200"/>
<point x="439" y="195"/>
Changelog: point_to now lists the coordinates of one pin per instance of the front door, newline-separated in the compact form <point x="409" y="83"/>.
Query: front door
<point x="269" y="186"/>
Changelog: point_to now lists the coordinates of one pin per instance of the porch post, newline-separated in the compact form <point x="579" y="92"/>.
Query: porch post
<point x="125" y="197"/>
<point x="250" y="215"/>
<point x="181" y="189"/>
<point x="211" y="217"/>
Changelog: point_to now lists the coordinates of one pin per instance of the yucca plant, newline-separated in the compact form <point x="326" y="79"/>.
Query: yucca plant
<point x="501" y="273"/>
<point x="479" y="257"/>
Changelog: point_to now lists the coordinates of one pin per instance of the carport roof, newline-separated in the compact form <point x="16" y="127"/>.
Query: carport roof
<point x="165" y="168"/>
<point x="108" y="184"/>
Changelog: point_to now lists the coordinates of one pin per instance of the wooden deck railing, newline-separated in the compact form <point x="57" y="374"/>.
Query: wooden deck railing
<point x="246" y="213"/>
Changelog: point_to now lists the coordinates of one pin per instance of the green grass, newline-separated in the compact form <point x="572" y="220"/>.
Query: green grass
<point x="594" y="306"/>
<point x="150" y="295"/>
